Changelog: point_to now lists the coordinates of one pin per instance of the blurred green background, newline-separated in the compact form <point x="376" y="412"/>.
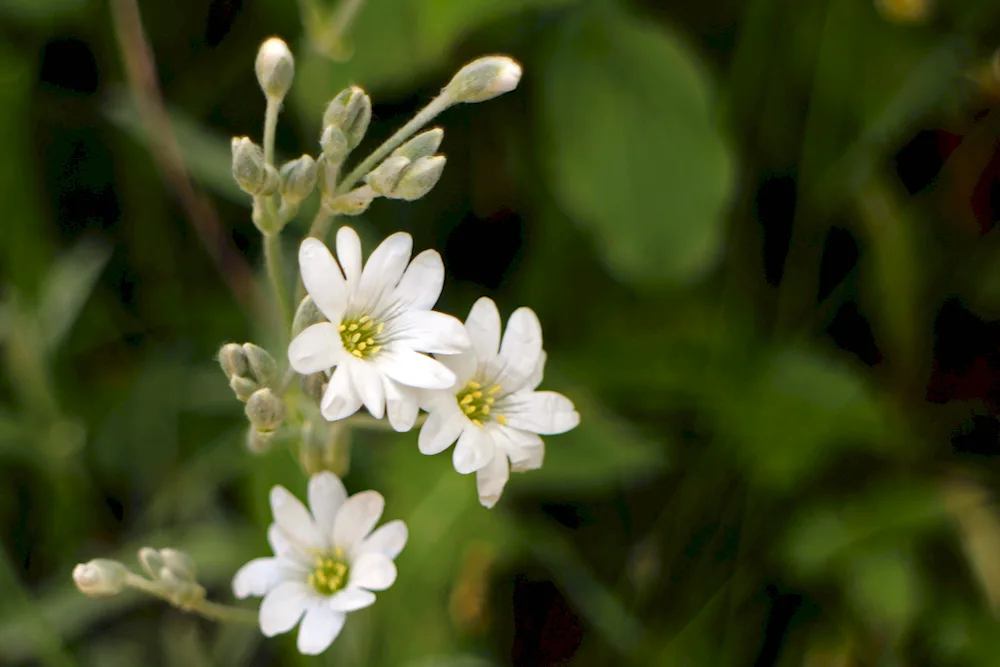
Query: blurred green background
<point x="759" y="236"/>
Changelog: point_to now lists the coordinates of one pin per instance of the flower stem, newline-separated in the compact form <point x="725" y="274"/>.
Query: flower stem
<point x="276" y="274"/>
<point x="426" y="115"/>
<point x="197" y="603"/>
<point x="321" y="223"/>
<point x="270" y="126"/>
<point x="365" y="421"/>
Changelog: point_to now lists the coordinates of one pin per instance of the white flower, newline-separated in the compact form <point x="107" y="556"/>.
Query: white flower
<point x="493" y="409"/>
<point x="326" y="562"/>
<point x="380" y="320"/>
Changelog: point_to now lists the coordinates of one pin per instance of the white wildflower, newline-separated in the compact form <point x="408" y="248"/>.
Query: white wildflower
<point x="327" y="561"/>
<point x="493" y="409"/>
<point x="380" y="321"/>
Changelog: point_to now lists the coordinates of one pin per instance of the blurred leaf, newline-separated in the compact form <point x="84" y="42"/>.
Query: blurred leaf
<point x="632" y="150"/>
<point x="823" y="535"/>
<point x="978" y="524"/>
<point x="67" y="287"/>
<point x="885" y="587"/>
<point x="39" y="11"/>
<point x="604" y="451"/>
<point x="402" y="41"/>
<point x="207" y="156"/>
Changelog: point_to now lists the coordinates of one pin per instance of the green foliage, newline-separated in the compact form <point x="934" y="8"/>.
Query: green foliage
<point x="632" y="147"/>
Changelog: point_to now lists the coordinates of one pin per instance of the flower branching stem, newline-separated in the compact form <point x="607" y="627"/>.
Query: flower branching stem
<point x="196" y="603"/>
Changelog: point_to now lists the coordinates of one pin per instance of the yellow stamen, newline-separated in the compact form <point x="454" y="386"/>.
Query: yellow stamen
<point x="363" y="319"/>
<point x="357" y="353"/>
<point x="469" y="409"/>
<point x="342" y="328"/>
<point x="362" y="345"/>
<point x="473" y="385"/>
<point x="477" y="422"/>
<point x="353" y="327"/>
<point x="501" y="419"/>
<point x="494" y="389"/>
<point x="485" y="409"/>
<point x="466" y="400"/>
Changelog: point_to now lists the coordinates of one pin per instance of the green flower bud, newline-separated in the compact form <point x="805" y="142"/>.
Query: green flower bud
<point x="263" y="369"/>
<point x="351" y="111"/>
<point x="334" y="144"/>
<point x="383" y="178"/>
<point x="265" y="410"/>
<point x="419" y="178"/>
<point x="233" y="360"/>
<point x="259" y="442"/>
<point x="100" y="578"/>
<point x="306" y="315"/>
<point x="243" y="387"/>
<point x="325" y="446"/>
<point x="275" y="68"/>
<point x="313" y="386"/>
<point x="484" y="79"/>
<point x="424" y="144"/>
<point x="151" y="561"/>
<point x="354" y="202"/>
<point x="252" y="173"/>
<point x="298" y="178"/>
<point x="178" y="563"/>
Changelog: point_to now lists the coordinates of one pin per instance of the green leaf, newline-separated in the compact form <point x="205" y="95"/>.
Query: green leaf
<point x="67" y="288"/>
<point x="633" y="151"/>
<point x="885" y="587"/>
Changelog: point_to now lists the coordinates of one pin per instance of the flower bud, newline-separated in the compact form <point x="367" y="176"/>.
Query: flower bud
<point x="334" y="144"/>
<point x="327" y="172"/>
<point x="419" y="178"/>
<point x="233" y="360"/>
<point x="383" y="178"/>
<point x="424" y="144"/>
<point x="314" y="385"/>
<point x="259" y="442"/>
<point x="243" y="387"/>
<point x="484" y="79"/>
<point x="298" y="178"/>
<point x="351" y="112"/>
<point x="354" y="202"/>
<point x="275" y="68"/>
<point x="263" y="369"/>
<point x="179" y="564"/>
<point x="325" y="446"/>
<point x="100" y="578"/>
<point x="306" y="315"/>
<point x="151" y="561"/>
<point x="265" y="410"/>
<point x="252" y="173"/>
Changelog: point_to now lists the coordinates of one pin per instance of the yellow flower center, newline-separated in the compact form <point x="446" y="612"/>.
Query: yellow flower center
<point x="477" y="403"/>
<point x="329" y="573"/>
<point x="361" y="336"/>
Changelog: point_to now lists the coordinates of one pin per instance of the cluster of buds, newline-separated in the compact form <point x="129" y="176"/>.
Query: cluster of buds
<point x="253" y="375"/>
<point x="172" y="576"/>
<point x="412" y="170"/>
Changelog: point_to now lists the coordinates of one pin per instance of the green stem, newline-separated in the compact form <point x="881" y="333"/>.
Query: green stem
<point x="426" y="115"/>
<point x="276" y="274"/>
<point x="321" y="223"/>
<point x="343" y="17"/>
<point x="270" y="125"/>
<point x="213" y="611"/>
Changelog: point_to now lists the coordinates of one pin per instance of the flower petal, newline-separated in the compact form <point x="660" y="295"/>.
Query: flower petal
<point x="520" y="350"/>
<point x="431" y="331"/>
<point x="351" y="599"/>
<point x="261" y="575"/>
<point x="536" y="376"/>
<point x="368" y="386"/>
<point x="286" y="549"/>
<point x="317" y="348"/>
<point x="339" y="400"/>
<point x="491" y="480"/>
<point x="543" y="412"/>
<point x="373" y="571"/>
<point x="443" y="426"/>
<point x="356" y="519"/>
<point x="422" y="281"/>
<point x="388" y="540"/>
<point x="383" y="270"/>
<point x="294" y="520"/>
<point x="322" y="278"/>
<point x="414" y="370"/>
<point x="401" y="405"/>
<point x="349" y="253"/>
<point x="483" y="327"/>
<point x="463" y="365"/>
<point x="320" y="626"/>
<point x="326" y="496"/>
<point x="474" y="450"/>
<point x="525" y="450"/>
<point x="283" y="607"/>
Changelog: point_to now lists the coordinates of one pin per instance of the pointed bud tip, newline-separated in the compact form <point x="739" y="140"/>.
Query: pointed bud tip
<point x="100" y="578"/>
